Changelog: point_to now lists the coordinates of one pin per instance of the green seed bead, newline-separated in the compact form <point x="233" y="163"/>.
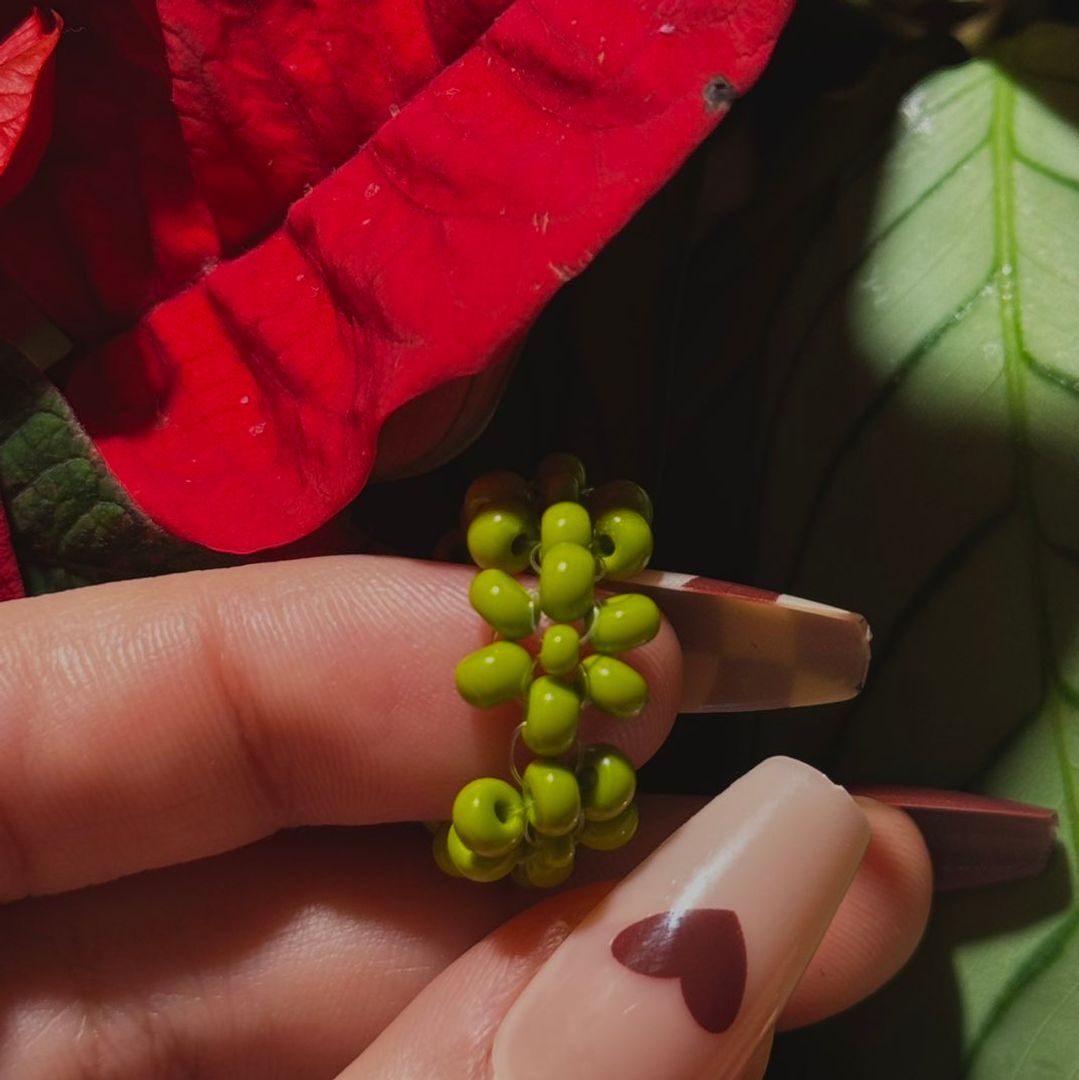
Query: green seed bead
<point x="560" y="478"/>
<point x="614" y="687"/>
<point x="624" y="622"/>
<point x="549" y="863"/>
<point x="625" y="542"/>
<point x="560" y="652"/>
<point x="613" y="833"/>
<point x="489" y="817"/>
<point x="494" y="674"/>
<point x="503" y="603"/>
<point x="502" y="537"/>
<point x="550" y="725"/>
<point x="442" y="855"/>
<point x="608" y="782"/>
<point x="477" y="867"/>
<point x="565" y="522"/>
<point x="556" y="850"/>
<point x="620" y="495"/>
<point x="501" y="486"/>
<point x="567" y="579"/>
<point x="552" y="797"/>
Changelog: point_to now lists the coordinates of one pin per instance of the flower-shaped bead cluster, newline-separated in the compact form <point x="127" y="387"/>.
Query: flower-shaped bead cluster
<point x="572" y="537"/>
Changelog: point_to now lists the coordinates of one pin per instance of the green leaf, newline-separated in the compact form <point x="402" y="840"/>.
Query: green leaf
<point x="922" y="465"/>
<point x="71" y="522"/>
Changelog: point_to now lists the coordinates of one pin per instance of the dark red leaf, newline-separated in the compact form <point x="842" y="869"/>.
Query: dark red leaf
<point x="244" y="412"/>
<point x="26" y="98"/>
<point x="11" y="586"/>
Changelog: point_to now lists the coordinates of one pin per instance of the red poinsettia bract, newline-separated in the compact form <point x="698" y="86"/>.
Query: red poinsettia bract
<point x="270" y="224"/>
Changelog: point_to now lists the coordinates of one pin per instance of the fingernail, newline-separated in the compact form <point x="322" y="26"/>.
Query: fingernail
<point x="684" y="967"/>
<point x="975" y="840"/>
<point x="747" y="649"/>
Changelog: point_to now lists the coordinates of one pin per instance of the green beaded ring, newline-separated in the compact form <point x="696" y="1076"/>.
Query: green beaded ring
<point x="568" y="794"/>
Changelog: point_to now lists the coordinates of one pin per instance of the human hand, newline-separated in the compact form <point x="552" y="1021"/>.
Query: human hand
<point x="176" y="726"/>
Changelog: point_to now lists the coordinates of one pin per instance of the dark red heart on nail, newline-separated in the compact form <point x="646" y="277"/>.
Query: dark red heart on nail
<point x="703" y="947"/>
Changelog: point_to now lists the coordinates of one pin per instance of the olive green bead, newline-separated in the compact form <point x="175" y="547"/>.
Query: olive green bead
<point x="614" y="687"/>
<point x="620" y="495"/>
<point x="494" y="674"/>
<point x="442" y="855"/>
<point x="613" y="833"/>
<point x="565" y="522"/>
<point x="624" y="541"/>
<point x="550" y="724"/>
<point x="549" y="863"/>
<point x="500" y="487"/>
<point x="560" y="652"/>
<point x="552" y="797"/>
<point x="474" y="866"/>
<point x="556" y="850"/>
<point x="608" y="782"/>
<point x="503" y="603"/>
<point x="560" y="478"/>
<point x="624" y="622"/>
<point x="489" y="816"/>
<point x="501" y="537"/>
<point x="567" y="580"/>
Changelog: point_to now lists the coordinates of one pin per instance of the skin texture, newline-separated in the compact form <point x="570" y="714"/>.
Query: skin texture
<point x="176" y="724"/>
<point x="204" y="711"/>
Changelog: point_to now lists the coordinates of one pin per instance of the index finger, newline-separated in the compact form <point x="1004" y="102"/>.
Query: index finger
<point x="150" y="722"/>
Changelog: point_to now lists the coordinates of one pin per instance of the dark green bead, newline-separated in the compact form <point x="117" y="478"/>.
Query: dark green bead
<point x="503" y="603"/>
<point x="560" y="478"/>
<point x="496" y="673"/>
<point x="560" y="652"/>
<point x="567" y="581"/>
<point x="502" y="538"/>
<point x="614" y="687"/>
<point x="608" y="782"/>
<point x="624" y="540"/>
<point x="550" y="725"/>
<point x="548" y="863"/>
<point x="552" y="797"/>
<point x="556" y="850"/>
<point x="565" y="522"/>
<point x="620" y="495"/>
<point x="489" y="816"/>
<point x="500" y="487"/>
<point x="613" y="833"/>
<point x="474" y="866"/>
<point x="624" y="622"/>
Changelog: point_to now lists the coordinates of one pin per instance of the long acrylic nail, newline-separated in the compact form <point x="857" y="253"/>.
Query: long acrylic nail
<point x="746" y="648"/>
<point x="975" y="840"/>
<point x="684" y="967"/>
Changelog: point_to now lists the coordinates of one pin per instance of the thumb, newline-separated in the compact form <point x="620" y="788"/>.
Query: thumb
<point x="679" y="971"/>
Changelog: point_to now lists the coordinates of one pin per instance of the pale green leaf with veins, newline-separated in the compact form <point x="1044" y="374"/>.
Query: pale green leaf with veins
<point x="922" y="396"/>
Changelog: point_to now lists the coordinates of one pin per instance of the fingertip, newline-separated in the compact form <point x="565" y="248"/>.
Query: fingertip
<point x="878" y="925"/>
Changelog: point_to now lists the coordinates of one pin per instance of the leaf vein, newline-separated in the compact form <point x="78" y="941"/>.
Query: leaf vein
<point x="877" y="405"/>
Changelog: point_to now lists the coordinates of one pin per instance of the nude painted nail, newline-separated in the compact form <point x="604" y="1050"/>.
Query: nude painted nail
<point x="684" y="967"/>
<point x="746" y="648"/>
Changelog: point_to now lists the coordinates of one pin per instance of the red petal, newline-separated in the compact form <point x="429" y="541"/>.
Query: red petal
<point x="26" y="99"/>
<point x="186" y="128"/>
<point x="11" y="587"/>
<point x="243" y="413"/>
